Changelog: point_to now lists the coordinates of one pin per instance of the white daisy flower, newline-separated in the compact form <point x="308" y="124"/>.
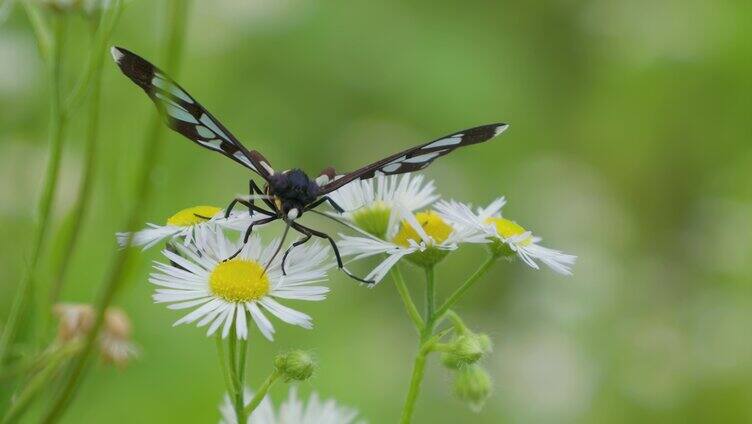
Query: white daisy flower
<point x="507" y="237"/>
<point x="369" y="204"/>
<point x="184" y="224"/>
<point x="292" y="411"/>
<point x="424" y="238"/>
<point x="223" y="291"/>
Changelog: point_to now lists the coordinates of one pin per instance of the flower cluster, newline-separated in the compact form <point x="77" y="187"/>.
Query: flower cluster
<point x="390" y="215"/>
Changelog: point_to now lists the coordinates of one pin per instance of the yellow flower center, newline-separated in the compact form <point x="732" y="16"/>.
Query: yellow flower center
<point x="373" y="219"/>
<point x="432" y="224"/>
<point x="506" y="228"/>
<point x="239" y="280"/>
<point x="192" y="216"/>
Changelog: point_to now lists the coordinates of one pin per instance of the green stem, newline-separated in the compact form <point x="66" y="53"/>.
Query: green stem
<point x="261" y="393"/>
<point x="425" y="347"/>
<point x="94" y="72"/>
<point x="457" y="295"/>
<point x="101" y="38"/>
<point x="237" y="394"/>
<point x="419" y="366"/>
<point x="177" y="19"/>
<point x="240" y="393"/>
<point x="458" y="323"/>
<point x="430" y="293"/>
<point x="404" y="293"/>
<point x="40" y="27"/>
<point x="53" y="361"/>
<point x="26" y="289"/>
<point x="223" y="363"/>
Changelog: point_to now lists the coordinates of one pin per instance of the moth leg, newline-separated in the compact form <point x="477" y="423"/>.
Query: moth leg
<point x="248" y="234"/>
<point x="306" y="237"/>
<point x="327" y="237"/>
<point x="259" y="191"/>
<point x="323" y="199"/>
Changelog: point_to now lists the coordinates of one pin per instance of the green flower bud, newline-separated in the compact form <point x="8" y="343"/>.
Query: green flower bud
<point x="464" y="350"/>
<point x="296" y="365"/>
<point x="472" y="385"/>
<point x="485" y="342"/>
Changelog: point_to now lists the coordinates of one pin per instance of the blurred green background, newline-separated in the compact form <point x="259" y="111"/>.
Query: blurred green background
<point x="629" y="146"/>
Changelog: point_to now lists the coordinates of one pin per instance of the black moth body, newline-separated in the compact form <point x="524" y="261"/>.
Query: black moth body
<point x="287" y="194"/>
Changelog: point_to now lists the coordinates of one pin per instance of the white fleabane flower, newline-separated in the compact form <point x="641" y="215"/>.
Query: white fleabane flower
<point x="369" y="204"/>
<point x="424" y="238"/>
<point x="292" y="411"/>
<point x="184" y="225"/>
<point x="507" y="237"/>
<point x="222" y="291"/>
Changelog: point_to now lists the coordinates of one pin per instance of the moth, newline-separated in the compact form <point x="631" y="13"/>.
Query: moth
<point x="288" y="194"/>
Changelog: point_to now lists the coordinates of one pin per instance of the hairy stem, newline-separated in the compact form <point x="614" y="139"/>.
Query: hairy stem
<point x="177" y="19"/>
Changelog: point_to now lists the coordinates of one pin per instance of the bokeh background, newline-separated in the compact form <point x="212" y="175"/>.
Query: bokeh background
<point x="629" y="146"/>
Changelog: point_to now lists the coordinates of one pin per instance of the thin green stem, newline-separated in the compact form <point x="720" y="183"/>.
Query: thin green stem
<point x="178" y="10"/>
<point x="237" y="394"/>
<point x="430" y="293"/>
<point x="41" y="28"/>
<point x="107" y="22"/>
<point x="223" y="363"/>
<point x="261" y="393"/>
<point x="404" y="293"/>
<point x="419" y="366"/>
<point x="26" y="289"/>
<point x="53" y="362"/>
<point x="458" y="323"/>
<point x="457" y="295"/>
<point x="424" y="348"/>
<point x="240" y="393"/>
<point x="86" y="81"/>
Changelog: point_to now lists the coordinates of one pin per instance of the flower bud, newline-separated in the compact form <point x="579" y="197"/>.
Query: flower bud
<point x="464" y="350"/>
<point x="296" y="365"/>
<point x="472" y="385"/>
<point x="76" y="320"/>
<point x="485" y="343"/>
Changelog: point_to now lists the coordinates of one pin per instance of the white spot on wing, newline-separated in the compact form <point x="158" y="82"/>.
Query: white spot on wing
<point x="171" y="88"/>
<point x="241" y="157"/>
<point x="179" y="113"/>
<point x="391" y="167"/>
<point x="449" y="141"/>
<point x="212" y="144"/>
<point x="399" y="159"/>
<point x="204" y="132"/>
<point x="422" y="158"/>
<point x="209" y="123"/>
<point x="500" y="129"/>
<point x="117" y="55"/>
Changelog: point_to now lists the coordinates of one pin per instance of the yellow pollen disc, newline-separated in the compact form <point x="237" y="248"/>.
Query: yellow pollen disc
<point x="432" y="224"/>
<point x="192" y="216"/>
<point x="507" y="228"/>
<point x="374" y="219"/>
<point x="239" y="280"/>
